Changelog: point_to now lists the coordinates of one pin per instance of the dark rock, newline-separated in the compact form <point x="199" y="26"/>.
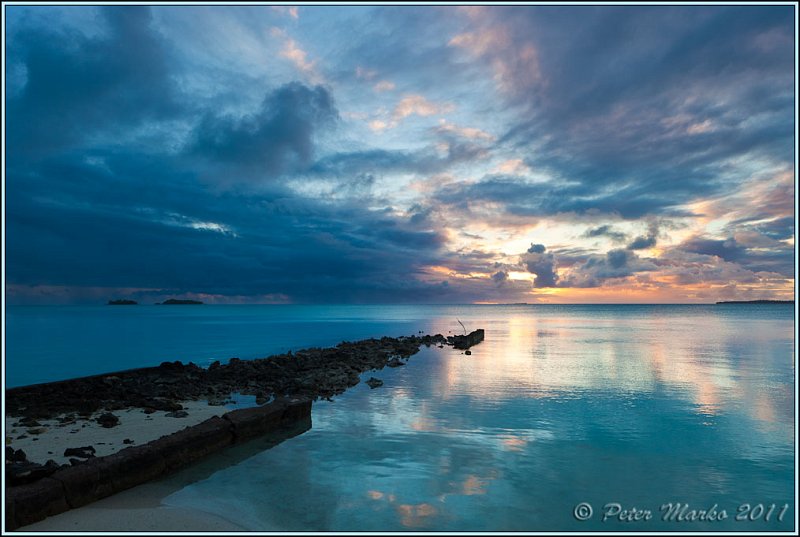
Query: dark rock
<point x="28" y="422"/>
<point x="374" y="383"/>
<point x="468" y="353"/>
<point x="177" y="414"/>
<point x="81" y="452"/>
<point x="127" y="441"/>
<point x="108" y="420"/>
<point x="38" y="430"/>
<point x="20" y="473"/>
<point x="467" y="341"/>
<point x="149" y="410"/>
<point x="15" y="455"/>
<point x="310" y="374"/>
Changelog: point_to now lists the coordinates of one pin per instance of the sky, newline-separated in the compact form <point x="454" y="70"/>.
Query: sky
<point x="399" y="154"/>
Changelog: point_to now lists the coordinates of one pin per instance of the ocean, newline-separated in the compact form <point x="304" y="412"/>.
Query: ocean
<point x="575" y="418"/>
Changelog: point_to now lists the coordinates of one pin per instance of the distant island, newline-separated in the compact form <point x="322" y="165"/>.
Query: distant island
<point x="178" y="302"/>
<point x="756" y="302"/>
<point x="122" y="302"/>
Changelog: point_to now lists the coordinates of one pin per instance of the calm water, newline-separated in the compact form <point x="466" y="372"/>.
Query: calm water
<point x="639" y="405"/>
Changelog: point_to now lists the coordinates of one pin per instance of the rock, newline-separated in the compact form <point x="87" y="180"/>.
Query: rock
<point x="467" y="341"/>
<point x="19" y="473"/>
<point x="374" y="383"/>
<point x="468" y="353"/>
<point x="15" y="455"/>
<point x="127" y="441"/>
<point x="38" y="430"/>
<point x="177" y="414"/>
<point x="312" y="373"/>
<point x="108" y="420"/>
<point x="82" y="452"/>
<point x="28" y="422"/>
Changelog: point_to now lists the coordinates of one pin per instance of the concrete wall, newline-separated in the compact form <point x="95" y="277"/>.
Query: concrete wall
<point x="100" y="477"/>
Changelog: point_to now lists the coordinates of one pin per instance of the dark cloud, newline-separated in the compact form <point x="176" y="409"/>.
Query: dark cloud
<point x="277" y="139"/>
<point x="645" y="129"/>
<point x="542" y="264"/>
<point x="605" y="230"/>
<point x="383" y="161"/>
<point x="617" y="263"/>
<point x="778" y="229"/>
<point x="500" y="277"/>
<point x="643" y="242"/>
<point x="78" y="87"/>
<point x="778" y="258"/>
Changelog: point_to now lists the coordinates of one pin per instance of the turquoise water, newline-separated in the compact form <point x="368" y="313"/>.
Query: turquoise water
<point x="635" y="405"/>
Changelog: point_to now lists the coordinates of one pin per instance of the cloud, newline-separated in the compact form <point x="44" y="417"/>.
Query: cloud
<point x="500" y="277"/>
<point x="77" y="86"/>
<point x="470" y="133"/>
<point x="605" y="230"/>
<point x="276" y="139"/>
<point x="512" y="57"/>
<point x="291" y="11"/>
<point x="292" y="51"/>
<point x="777" y="258"/>
<point x="541" y="264"/>
<point x="597" y="269"/>
<point x="384" y="85"/>
<point x="418" y="105"/>
<point x="148" y="151"/>
<point x="643" y="242"/>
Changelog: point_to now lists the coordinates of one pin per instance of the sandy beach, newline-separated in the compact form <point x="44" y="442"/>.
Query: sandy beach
<point x="51" y="437"/>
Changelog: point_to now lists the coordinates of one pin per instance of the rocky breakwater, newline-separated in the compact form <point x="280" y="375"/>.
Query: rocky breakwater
<point x="310" y="373"/>
<point x="288" y="382"/>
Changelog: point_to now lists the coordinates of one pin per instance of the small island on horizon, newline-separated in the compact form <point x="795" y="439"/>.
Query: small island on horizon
<point x="122" y="302"/>
<point x="178" y="302"/>
<point x="756" y="302"/>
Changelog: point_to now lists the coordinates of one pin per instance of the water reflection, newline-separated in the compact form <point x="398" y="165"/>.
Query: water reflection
<point x="640" y="407"/>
